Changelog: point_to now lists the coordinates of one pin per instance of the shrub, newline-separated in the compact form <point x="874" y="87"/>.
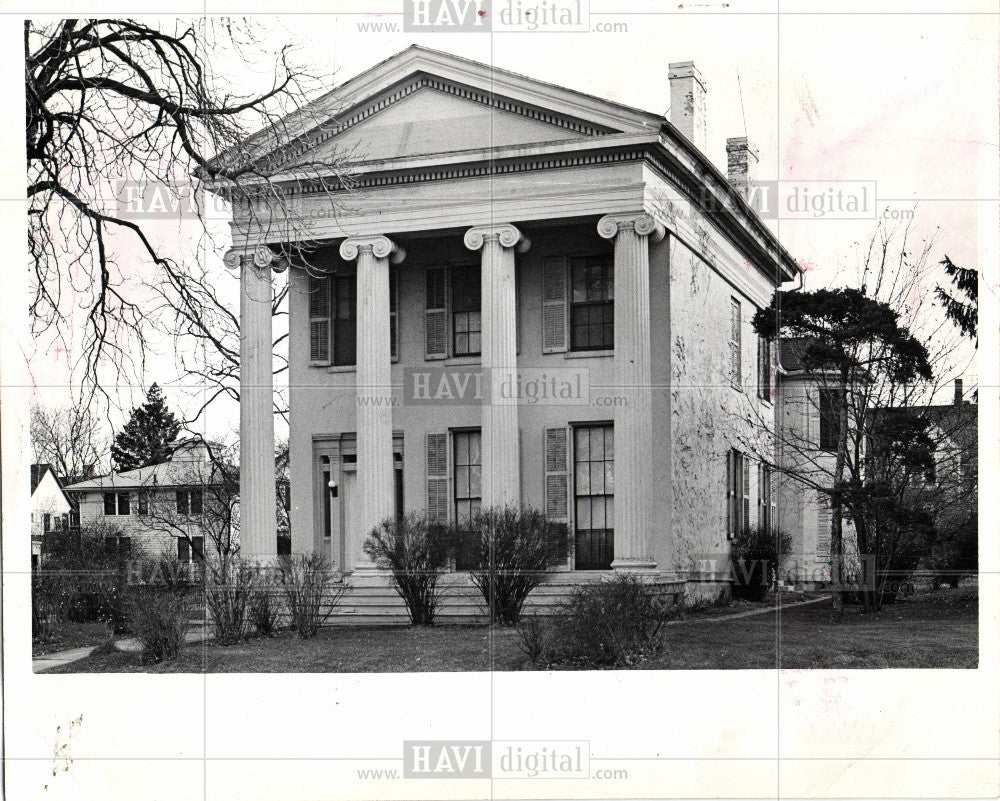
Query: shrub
<point x="531" y="635"/>
<point x="265" y="609"/>
<point x="158" y="619"/>
<point x="229" y="590"/>
<point x="614" y="623"/>
<point x="956" y="554"/>
<point x="306" y="583"/>
<point x="756" y="552"/>
<point x="515" y="548"/>
<point x="416" y="550"/>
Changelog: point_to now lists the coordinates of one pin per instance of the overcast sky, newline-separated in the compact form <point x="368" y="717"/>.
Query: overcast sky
<point x="908" y="101"/>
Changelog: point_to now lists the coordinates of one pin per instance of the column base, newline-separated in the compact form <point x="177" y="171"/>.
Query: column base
<point x="633" y="565"/>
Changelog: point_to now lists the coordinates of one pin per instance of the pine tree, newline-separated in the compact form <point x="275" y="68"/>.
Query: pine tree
<point x="148" y="436"/>
<point x="961" y="304"/>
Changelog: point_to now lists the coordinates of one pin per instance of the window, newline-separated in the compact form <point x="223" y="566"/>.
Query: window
<point x="828" y="422"/>
<point x="764" y="368"/>
<point x="189" y="502"/>
<point x="592" y="303"/>
<point x="736" y="346"/>
<point x="468" y="495"/>
<point x="46" y="523"/>
<point x="333" y="319"/>
<point x="466" y="320"/>
<point x="468" y="474"/>
<point x="198" y="548"/>
<point x="766" y="501"/>
<point x="183" y="550"/>
<point x="737" y="492"/>
<point x="594" y="495"/>
<point x="116" y="503"/>
<point x="345" y="320"/>
<point x="143" y="503"/>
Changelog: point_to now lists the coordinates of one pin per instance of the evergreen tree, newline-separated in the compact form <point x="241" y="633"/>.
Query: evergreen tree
<point x="961" y="304"/>
<point x="148" y="436"/>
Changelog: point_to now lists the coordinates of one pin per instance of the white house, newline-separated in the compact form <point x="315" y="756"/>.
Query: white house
<point x="51" y="508"/>
<point x="508" y="292"/>
<point x="162" y="509"/>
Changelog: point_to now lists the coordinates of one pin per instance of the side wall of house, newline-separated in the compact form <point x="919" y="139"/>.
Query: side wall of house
<point x="47" y="499"/>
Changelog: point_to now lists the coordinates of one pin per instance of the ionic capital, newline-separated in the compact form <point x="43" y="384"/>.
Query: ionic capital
<point x="507" y="235"/>
<point x="643" y="224"/>
<point x="381" y="247"/>
<point x="262" y="257"/>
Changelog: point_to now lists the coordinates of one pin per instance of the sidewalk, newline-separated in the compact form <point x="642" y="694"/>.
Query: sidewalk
<point x="40" y="664"/>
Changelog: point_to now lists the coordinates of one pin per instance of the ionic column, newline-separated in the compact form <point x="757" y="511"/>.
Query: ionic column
<point x="633" y="380"/>
<point x="258" y="514"/>
<point x="501" y="477"/>
<point x="374" y="387"/>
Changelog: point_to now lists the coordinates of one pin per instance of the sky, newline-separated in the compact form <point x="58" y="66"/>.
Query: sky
<point x="907" y="101"/>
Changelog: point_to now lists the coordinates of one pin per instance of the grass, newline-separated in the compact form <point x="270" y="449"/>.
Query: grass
<point x="932" y="630"/>
<point x="64" y="636"/>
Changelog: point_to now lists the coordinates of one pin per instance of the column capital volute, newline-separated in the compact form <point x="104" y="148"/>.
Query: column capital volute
<point x="642" y="223"/>
<point x="262" y="257"/>
<point x="381" y="247"/>
<point x="507" y="235"/>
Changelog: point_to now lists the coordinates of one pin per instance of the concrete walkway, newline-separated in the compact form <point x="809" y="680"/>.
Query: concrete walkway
<point x="40" y="664"/>
<point x="750" y="613"/>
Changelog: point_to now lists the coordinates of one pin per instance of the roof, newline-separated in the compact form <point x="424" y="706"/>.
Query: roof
<point x="957" y="421"/>
<point x="38" y="472"/>
<point x="597" y="123"/>
<point x="188" y="465"/>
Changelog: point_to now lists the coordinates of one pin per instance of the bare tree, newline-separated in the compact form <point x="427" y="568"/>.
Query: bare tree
<point x="113" y="102"/>
<point x="72" y="439"/>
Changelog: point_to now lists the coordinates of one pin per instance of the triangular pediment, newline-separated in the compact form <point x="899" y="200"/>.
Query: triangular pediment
<point x="422" y="102"/>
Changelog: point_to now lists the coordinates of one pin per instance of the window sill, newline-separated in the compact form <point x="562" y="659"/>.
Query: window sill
<point x="460" y="361"/>
<point x="342" y="368"/>
<point x="589" y="354"/>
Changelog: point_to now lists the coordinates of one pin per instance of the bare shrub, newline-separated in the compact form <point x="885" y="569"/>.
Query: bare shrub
<point x="416" y="550"/>
<point x="158" y="619"/>
<point x="306" y="581"/>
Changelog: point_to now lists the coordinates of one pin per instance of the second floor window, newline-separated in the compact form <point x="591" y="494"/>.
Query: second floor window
<point x="333" y="319"/>
<point x="189" y="502"/>
<point x="828" y="420"/>
<point x="116" y="503"/>
<point x="764" y="368"/>
<point x="592" y="303"/>
<point x="345" y="320"/>
<point x="466" y="319"/>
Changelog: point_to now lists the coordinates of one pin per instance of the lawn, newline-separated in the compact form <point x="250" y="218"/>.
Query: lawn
<point x="63" y="636"/>
<point x="931" y="630"/>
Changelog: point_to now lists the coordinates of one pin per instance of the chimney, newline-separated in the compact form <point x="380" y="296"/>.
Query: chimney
<point x="742" y="157"/>
<point x="958" y="392"/>
<point x="687" y="102"/>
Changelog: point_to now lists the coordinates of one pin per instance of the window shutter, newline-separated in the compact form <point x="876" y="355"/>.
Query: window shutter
<point x="556" y="474"/>
<point x="436" y="314"/>
<point x="319" y="320"/>
<point x="555" y="334"/>
<point x="437" y="477"/>
<point x="730" y="493"/>
<point x="824" y="520"/>
<point x="394" y="314"/>
<point x="746" y="492"/>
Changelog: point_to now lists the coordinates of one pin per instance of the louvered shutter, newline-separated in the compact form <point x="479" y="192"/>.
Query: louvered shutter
<point x="730" y="493"/>
<point x="437" y="477"/>
<point x="824" y="520"/>
<point x="319" y="320"/>
<point x="436" y="314"/>
<point x="557" y="474"/>
<point x="555" y="333"/>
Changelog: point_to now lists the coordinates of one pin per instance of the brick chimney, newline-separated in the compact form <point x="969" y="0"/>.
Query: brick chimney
<point x="687" y="102"/>
<point x="742" y="157"/>
<point x="958" y="392"/>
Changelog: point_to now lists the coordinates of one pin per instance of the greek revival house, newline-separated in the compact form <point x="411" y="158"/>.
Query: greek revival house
<point x="508" y="292"/>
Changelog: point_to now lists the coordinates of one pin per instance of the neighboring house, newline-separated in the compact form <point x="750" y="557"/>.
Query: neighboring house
<point x="52" y="511"/>
<point x="162" y="509"/>
<point x="529" y="296"/>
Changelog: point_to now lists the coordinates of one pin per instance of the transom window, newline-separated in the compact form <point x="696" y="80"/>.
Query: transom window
<point x="594" y="494"/>
<point x="592" y="306"/>
<point x="466" y="319"/>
